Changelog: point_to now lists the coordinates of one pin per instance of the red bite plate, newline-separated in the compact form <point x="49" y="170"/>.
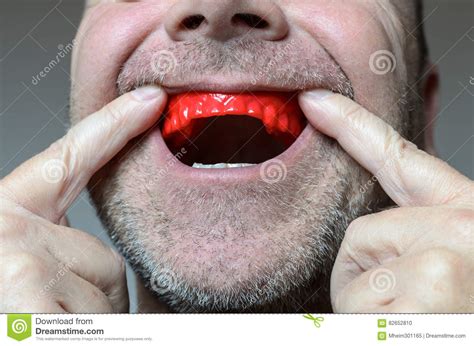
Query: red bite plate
<point x="279" y="112"/>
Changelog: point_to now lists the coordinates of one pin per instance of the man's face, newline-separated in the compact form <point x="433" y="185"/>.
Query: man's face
<point x="251" y="238"/>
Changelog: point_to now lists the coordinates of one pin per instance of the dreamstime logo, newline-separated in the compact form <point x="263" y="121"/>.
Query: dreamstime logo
<point x="382" y="280"/>
<point x="63" y="52"/>
<point x="273" y="171"/>
<point x="164" y="280"/>
<point x="163" y="62"/>
<point x="382" y="62"/>
<point x="54" y="171"/>
<point x="19" y="326"/>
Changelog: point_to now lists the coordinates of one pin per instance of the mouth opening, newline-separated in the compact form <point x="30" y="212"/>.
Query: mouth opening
<point x="231" y="130"/>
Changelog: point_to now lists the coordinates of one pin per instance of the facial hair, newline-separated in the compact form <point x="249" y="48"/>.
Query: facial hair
<point x="253" y="247"/>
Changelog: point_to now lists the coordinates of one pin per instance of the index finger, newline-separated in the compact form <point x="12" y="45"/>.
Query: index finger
<point x="408" y="175"/>
<point x="48" y="183"/>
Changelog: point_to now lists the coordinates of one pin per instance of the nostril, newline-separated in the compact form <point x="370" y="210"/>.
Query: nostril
<point x="224" y="20"/>
<point x="192" y="22"/>
<point x="250" y="20"/>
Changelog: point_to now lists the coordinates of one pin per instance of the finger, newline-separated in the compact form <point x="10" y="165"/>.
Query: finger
<point x="377" y="238"/>
<point x="50" y="244"/>
<point x="436" y="279"/>
<point x="80" y="296"/>
<point x="409" y="176"/>
<point x="38" y="307"/>
<point x="368" y="291"/>
<point x="31" y="300"/>
<point x="89" y="258"/>
<point x="402" y="305"/>
<point x="49" y="182"/>
<point x="24" y="282"/>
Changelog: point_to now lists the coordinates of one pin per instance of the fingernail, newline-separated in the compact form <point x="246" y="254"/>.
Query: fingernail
<point x="318" y="94"/>
<point x="147" y="93"/>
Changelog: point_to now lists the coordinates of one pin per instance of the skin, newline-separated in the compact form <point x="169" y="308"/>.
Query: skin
<point x="426" y="198"/>
<point x="35" y="238"/>
<point x="428" y="235"/>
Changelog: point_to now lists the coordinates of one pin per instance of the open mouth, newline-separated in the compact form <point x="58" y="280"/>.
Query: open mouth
<point x="230" y="130"/>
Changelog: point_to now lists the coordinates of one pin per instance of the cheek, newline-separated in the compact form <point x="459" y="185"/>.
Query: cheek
<point x="107" y="37"/>
<point x="352" y="35"/>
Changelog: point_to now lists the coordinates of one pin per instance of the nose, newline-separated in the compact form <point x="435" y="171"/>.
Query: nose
<point x="226" y="19"/>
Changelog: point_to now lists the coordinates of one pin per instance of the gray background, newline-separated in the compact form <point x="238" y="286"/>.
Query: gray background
<point x="33" y="116"/>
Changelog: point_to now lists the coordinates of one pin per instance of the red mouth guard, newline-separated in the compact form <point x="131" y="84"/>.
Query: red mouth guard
<point x="279" y="112"/>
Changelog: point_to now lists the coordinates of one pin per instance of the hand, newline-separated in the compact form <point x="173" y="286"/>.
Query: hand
<point x="418" y="257"/>
<point x="46" y="266"/>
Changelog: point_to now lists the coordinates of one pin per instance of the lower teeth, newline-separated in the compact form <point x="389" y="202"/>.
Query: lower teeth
<point x="222" y="165"/>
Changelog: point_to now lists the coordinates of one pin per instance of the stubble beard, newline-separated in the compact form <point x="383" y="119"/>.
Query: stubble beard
<point x="254" y="247"/>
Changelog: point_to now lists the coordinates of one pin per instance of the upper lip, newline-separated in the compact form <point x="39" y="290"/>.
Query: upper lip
<point x="225" y="83"/>
<point x="222" y="88"/>
<point x="209" y="66"/>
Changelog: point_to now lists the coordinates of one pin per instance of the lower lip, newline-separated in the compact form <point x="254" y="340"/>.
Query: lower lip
<point x="179" y="170"/>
